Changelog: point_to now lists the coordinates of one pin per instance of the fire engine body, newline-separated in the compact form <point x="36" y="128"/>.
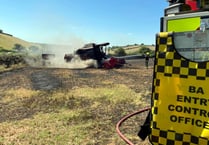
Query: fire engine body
<point x="188" y="22"/>
<point x="185" y="15"/>
<point x="189" y="19"/>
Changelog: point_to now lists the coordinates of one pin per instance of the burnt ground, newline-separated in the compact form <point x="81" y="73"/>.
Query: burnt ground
<point x="134" y="75"/>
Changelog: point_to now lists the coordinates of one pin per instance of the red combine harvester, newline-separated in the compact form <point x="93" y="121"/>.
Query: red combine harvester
<point x="98" y="53"/>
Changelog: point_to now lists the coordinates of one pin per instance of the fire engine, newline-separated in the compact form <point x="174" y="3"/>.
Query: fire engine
<point x="181" y="69"/>
<point x="180" y="76"/>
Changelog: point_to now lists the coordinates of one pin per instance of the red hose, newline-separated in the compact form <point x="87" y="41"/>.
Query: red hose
<point x="124" y="119"/>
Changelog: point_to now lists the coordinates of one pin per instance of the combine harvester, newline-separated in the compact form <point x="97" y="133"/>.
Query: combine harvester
<point x="97" y="52"/>
<point x="90" y="55"/>
<point x="179" y="113"/>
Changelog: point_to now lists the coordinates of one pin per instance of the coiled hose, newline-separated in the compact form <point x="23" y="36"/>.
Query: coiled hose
<point x="124" y="119"/>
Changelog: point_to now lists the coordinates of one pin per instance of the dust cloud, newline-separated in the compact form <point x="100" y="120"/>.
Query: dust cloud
<point x="52" y="56"/>
<point x="63" y="33"/>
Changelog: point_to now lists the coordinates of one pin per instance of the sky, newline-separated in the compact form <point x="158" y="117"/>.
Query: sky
<point x="76" y="22"/>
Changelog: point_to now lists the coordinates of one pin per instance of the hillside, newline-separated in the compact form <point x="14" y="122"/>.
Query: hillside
<point x="135" y="48"/>
<point x="8" y="42"/>
<point x="132" y="49"/>
<point x="152" y="47"/>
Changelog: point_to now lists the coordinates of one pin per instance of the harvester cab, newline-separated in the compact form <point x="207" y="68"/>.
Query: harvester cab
<point x="98" y="52"/>
<point x="93" y="51"/>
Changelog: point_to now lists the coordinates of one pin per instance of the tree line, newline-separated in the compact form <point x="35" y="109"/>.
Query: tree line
<point x="120" y="51"/>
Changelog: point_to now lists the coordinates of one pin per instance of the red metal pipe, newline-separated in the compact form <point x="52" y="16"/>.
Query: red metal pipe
<point x="124" y="119"/>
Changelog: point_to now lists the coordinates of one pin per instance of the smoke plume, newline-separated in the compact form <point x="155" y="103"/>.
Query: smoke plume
<point x="52" y="56"/>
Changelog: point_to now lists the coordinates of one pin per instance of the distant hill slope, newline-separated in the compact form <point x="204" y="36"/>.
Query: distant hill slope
<point x="8" y="42"/>
<point x="152" y="47"/>
<point x="133" y="49"/>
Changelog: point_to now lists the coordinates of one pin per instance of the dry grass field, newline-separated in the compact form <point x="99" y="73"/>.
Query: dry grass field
<point x="8" y="42"/>
<point x="62" y="106"/>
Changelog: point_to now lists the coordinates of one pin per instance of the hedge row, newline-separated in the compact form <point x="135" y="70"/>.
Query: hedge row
<point x="10" y="59"/>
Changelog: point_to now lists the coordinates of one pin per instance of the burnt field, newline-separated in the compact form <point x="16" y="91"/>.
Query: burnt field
<point x="73" y="106"/>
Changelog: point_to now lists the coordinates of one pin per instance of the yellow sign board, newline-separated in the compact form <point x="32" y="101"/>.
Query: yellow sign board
<point x="183" y="24"/>
<point x="180" y="97"/>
